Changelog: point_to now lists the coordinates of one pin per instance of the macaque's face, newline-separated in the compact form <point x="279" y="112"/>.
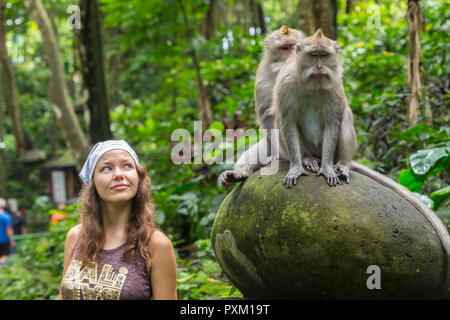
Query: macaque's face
<point x="280" y="43"/>
<point x="319" y="59"/>
<point x="283" y="50"/>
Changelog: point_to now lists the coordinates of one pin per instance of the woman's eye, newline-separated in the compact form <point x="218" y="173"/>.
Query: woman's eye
<point x="106" y="169"/>
<point x="128" y="166"/>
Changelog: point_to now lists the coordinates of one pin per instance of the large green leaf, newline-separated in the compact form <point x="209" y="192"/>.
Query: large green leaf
<point x="411" y="180"/>
<point x="439" y="196"/>
<point x="423" y="160"/>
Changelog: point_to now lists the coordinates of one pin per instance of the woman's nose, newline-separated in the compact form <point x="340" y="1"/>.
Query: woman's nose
<point x="118" y="172"/>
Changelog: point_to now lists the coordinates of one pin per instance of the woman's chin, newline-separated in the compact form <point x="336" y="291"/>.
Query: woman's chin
<point x="119" y="198"/>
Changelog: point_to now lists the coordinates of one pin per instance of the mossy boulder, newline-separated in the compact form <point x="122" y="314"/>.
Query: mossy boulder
<point x="317" y="242"/>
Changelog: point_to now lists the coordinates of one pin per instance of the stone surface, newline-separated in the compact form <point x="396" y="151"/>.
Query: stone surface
<point x="316" y="242"/>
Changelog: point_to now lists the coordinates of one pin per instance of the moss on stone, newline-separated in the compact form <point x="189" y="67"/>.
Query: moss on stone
<point x="314" y="241"/>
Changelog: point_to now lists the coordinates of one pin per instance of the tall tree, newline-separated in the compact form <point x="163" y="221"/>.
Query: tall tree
<point x="203" y="104"/>
<point x="415" y="21"/>
<point x="258" y="17"/>
<point x="92" y="61"/>
<point x="64" y="111"/>
<point x="211" y="19"/>
<point x="316" y="14"/>
<point x="22" y="143"/>
<point x="2" y="143"/>
<point x="348" y="6"/>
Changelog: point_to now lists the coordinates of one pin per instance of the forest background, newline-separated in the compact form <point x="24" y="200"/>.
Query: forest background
<point x="77" y="72"/>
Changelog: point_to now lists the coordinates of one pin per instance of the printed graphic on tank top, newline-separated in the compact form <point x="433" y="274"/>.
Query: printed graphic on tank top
<point x="111" y="278"/>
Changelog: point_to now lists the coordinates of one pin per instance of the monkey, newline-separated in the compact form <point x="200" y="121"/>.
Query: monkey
<point x="278" y="46"/>
<point x="344" y="152"/>
<point x="311" y="111"/>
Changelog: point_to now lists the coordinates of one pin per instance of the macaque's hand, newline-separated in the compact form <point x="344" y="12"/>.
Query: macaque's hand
<point x="312" y="164"/>
<point x="294" y="172"/>
<point x="343" y="172"/>
<point x="229" y="177"/>
<point x="330" y="175"/>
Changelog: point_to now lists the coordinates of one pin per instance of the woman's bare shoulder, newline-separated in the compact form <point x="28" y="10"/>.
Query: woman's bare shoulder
<point x="73" y="233"/>
<point x="160" y="241"/>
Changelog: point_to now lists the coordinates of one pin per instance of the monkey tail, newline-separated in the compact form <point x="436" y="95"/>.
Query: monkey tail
<point x="429" y="214"/>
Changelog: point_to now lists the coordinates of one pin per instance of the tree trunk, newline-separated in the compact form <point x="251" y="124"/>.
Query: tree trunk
<point x="315" y="14"/>
<point x="203" y="104"/>
<point x="92" y="60"/>
<point x="285" y="10"/>
<point x="261" y="17"/>
<point x="258" y="17"/>
<point x="2" y="143"/>
<point x="415" y="19"/>
<point x="348" y="6"/>
<point x="70" y="127"/>
<point x="210" y="24"/>
<point x="22" y="144"/>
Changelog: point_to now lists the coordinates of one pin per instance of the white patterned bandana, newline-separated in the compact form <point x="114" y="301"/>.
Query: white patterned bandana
<point x="100" y="149"/>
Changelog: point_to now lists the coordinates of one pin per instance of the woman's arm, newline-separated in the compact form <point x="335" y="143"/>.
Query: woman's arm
<point x="71" y="239"/>
<point x="164" y="268"/>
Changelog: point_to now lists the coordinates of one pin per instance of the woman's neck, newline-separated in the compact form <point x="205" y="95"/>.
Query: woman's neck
<point x="115" y="218"/>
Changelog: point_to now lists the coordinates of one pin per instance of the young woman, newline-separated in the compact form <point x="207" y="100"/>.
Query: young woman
<point x="117" y="252"/>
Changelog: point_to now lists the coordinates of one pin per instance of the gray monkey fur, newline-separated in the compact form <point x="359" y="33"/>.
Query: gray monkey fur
<point x="278" y="46"/>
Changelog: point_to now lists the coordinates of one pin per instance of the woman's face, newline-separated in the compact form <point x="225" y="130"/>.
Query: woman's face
<point x="115" y="176"/>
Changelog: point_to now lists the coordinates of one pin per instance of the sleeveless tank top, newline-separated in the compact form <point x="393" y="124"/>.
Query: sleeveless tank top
<point x="111" y="278"/>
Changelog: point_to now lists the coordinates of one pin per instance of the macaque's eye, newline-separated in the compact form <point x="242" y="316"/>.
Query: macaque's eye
<point x="323" y="53"/>
<point x="314" y="53"/>
<point x="287" y="47"/>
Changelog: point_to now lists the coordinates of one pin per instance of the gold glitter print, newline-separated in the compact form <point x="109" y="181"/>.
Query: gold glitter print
<point x="84" y="283"/>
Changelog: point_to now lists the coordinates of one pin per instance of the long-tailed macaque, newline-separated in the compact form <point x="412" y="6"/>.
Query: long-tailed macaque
<point x="316" y="125"/>
<point x="278" y="46"/>
<point x="314" y="119"/>
<point x="312" y="113"/>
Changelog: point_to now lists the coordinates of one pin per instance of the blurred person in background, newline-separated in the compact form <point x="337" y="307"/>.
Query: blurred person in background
<point x="19" y="221"/>
<point x="6" y="233"/>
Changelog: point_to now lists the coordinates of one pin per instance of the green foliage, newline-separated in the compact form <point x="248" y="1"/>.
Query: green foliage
<point x="152" y="85"/>
<point x="374" y="59"/>
<point x="202" y="277"/>
<point x="34" y="271"/>
<point x="424" y="164"/>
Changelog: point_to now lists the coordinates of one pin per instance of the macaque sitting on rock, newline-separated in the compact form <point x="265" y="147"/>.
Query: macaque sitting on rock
<point x="278" y="47"/>
<point x="312" y="114"/>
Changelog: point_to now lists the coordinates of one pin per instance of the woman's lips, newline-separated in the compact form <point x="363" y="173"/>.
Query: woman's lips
<point x="120" y="187"/>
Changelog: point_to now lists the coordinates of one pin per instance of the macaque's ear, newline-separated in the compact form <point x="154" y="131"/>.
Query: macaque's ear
<point x="285" y="30"/>
<point x="336" y="47"/>
<point x="319" y="33"/>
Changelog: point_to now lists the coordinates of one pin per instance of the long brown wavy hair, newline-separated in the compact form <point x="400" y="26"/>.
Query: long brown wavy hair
<point x="140" y="228"/>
